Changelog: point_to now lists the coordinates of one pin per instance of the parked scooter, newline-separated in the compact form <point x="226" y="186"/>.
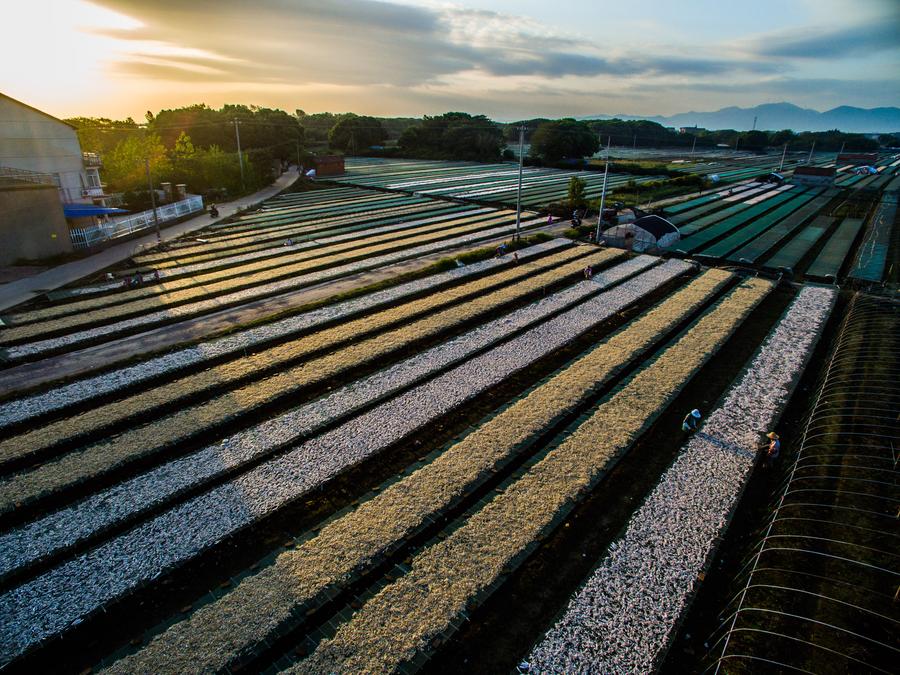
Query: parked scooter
<point x="213" y="211"/>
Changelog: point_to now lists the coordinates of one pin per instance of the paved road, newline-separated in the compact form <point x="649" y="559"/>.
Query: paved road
<point x="17" y="292"/>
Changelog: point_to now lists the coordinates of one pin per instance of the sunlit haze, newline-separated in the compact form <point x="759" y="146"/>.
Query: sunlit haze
<point x="506" y="59"/>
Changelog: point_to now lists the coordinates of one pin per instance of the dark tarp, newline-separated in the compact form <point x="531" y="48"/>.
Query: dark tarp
<point x="86" y="210"/>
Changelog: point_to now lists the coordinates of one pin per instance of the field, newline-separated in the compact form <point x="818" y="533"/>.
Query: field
<point x="829" y="544"/>
<point x="344" y="433"/>
<point x="732" y="167"/>
<point x="487" y="183"/>
<point x="809" y="232"/>
<point x="296" y="241"/>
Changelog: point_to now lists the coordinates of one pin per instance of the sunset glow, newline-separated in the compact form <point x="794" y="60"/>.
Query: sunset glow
<point x="122" y="57"/>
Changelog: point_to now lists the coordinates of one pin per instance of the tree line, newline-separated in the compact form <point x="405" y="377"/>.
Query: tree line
<point x="197" y="145"/>
<point x="553" y="140"/>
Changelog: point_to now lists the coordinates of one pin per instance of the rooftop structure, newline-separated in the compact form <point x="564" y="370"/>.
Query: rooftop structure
<point x="814" y="175"/>
<point x="329" y="165"/>
<point x="858" y="157"/>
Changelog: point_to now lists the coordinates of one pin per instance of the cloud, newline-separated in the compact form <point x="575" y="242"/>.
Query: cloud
<point x="560" y="64"/>
<point x="342" y="15"/>
<point x="185" y="69"/>
<point x="801" y="91"/>
<point x="868" y="38"/>
<point x="390" y="58"/>
<point x="678" y="65"/>
<point x="366" y="42"/>
<point x="348" y="42"/>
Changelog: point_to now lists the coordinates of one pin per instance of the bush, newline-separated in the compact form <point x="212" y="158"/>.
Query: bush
<point x="577" y="192"/>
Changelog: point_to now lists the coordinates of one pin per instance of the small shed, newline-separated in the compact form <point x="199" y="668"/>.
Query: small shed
<point x="814" y="175"/>
<point x="857" y="157"/>
<point x="644" y="234"/>
<point x="329" y="165"/>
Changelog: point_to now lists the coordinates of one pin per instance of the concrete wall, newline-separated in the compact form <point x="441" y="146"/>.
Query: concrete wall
<point x="34" y="141"/>
<point x="32" y="225"/>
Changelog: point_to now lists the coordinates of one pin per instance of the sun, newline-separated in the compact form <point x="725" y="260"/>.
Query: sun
<point x="69" y="69"/>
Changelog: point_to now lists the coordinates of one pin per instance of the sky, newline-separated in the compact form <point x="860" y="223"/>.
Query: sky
<point x="507" y="59"/>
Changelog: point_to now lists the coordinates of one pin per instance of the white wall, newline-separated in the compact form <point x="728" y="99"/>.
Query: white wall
<point x="33" y="141"/>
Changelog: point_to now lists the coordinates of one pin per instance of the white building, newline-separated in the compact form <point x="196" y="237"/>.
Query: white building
<point x="34" y="144"/>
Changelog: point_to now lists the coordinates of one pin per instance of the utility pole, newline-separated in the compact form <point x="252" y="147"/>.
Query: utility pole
<point x="152" y="199"/>
<point x="783" y="154"/>
<point x="634" y="142"/>
<point x="736" y="141"/>
<point x="811" y="150"/>
<point x="754" y="122"/>
<point x="237" y="136"/>
<point x="693" y="145"/>
<point x="841" y="152"/>
<point x="519" y="188"/>
<point x="603" y="191"/>
<point x="298" y="154"/>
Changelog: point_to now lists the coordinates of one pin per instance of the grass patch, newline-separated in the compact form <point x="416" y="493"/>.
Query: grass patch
<point x="633" y="193"/>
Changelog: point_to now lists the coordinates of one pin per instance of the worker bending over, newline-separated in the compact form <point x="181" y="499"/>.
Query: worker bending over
<point x="691" y="421"/>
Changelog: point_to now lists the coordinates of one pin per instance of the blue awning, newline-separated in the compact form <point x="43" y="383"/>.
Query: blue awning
<point x="85" y="210"/>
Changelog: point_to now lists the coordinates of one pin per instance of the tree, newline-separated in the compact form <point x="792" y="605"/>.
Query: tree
<point x="779" y="138"/>
<point x="577" y="192"/>
<point x="184" y="147"/>
<point x="124" y="168"/>
<point x="638" y="132"/>
<point x="195" y="145"/>
<point x="566" y="138"/>
<point x="453" y="135"/>
<point x="834" y="140"/>
<point x="354" y="133"/>
<point x="317" y="126"/>
<point x="101" y="134"/>
<point x="754" y="140"/>
<point x="511" y="131"/>
<point x="259" y="128"/>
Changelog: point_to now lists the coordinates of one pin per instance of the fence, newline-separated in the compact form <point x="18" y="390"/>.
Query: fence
<point x="85" y="237"/>
<point x="11" y="176"/>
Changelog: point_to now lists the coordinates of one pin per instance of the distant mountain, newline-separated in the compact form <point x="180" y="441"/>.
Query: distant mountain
<point x="775" y="116"/>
